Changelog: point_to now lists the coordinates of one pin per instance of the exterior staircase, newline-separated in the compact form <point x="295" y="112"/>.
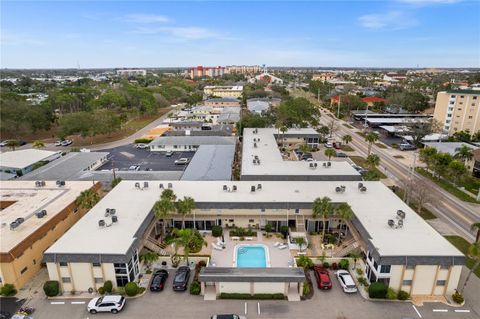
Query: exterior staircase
<point x="300" y="223"/>
<point x="155" y="247"/>
<point x="349" y="246"/>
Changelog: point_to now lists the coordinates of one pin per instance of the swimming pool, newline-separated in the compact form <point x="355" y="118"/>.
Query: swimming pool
<point x="251" y="256"/>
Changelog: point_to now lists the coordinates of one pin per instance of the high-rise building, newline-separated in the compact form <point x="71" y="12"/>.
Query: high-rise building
<point x="458" y="110"/>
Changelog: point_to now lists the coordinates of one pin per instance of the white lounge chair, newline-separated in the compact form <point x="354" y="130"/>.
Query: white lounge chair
<point x="282" y="246"/>
<point x="235" y="238"/>
<point x="249" y="238"/>
<point x="277" y="244"/>
<point x="220" y="243"/>
<point x="215" y="246"/>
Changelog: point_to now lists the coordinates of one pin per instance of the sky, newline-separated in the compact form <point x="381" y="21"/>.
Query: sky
<point x="107" y="34"/>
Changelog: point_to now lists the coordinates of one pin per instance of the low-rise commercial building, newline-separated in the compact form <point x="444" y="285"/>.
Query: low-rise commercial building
<point x="34" y="216"/>
<point x="188" y="142"/>
<point x="131" y="72"/>
<point x="23" y="161"/>
<point x="224" y="91"/>
<point x="222" y="102"/>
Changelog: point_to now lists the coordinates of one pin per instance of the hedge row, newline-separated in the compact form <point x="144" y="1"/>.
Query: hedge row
<point x="224" y="295"/>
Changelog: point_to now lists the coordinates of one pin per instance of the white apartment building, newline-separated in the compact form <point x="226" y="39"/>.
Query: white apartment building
<point x="224" y="91"/>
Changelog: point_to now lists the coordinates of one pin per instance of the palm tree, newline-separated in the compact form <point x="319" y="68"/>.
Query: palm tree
<point x="474" y="253"/>
<point x="188" y="239"/>
<point x="373" y="160"/>
<point x="344" y="211"/>
<point x="476" y="227"/>
<point x="323" y="131"/>
<point x="347" y="138"/>
<point x="464" y="153"/>
<point x="322" y="207"/>
<point x="329" y="152"/>
<point x="87" y="199"/>
<point x="300" y="241"/>
<point x="162" y="209"/>
<point x="355" y="256"/>
<point x="371" y="138"/>
<point x="149" y="257"/>
<point x="12" y="144"/>
<point x="185" y="207"/>
<point x="168" y="194"/>
<point x="38" y="144"/>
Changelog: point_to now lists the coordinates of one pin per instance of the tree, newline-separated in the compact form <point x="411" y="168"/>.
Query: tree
<point x="87" y="199"/>
<point x="115" y="181"/>
<point x="419" y="128"/>
<point x="373" y="160"/>
<point x="344" y="211"/>
<point x="371" y="138"/>
<point x="12" y="144"/>
<point x="149" y="257"/>
<point x="474" y="253"/>
<point x="297" y="111"/>
<point x="329" y="152"/>
<point x="476" y="227"/>
<point x="347" y="138"/>
<point x="355" y="256"/>
<point x="301" y="242"/>
<point x="456" y="171"/>
<point x="189" y="239"/>
<point x="164" y="207"/>
<point x="422" y="193"/>
<point x="323" y="131"/>
<point x="38" y="144"/>
<point x="322" y="207"/>
<point x="185" y="207"/>
<point x="464" y="153"/>
<point x="427" y="155"/>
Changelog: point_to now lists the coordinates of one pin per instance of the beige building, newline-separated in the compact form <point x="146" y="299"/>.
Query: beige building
<point x="458" y="110"/>
<point x="222" y="102"/>
<point x="223" y="91"/>
<point x="34" y="216"/>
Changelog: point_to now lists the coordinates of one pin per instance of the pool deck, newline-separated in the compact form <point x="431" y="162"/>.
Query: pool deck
<point x="225" y="257"/>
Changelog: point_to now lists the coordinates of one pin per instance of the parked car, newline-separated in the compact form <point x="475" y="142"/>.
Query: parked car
<point x="180" y="281"/>
<point x="109" y="303"/>
<point x="346" y="281"/>
<point x="337" y="145"/>
<point x="341" y="154"/>
<point x="141" y="146"/>
<point x="407" y="147"/>
<point x="227" y="317"/>
<point x="323" y="278"/>
<point x="306" y="156"/>
<point x="169" y="154"/>
<point x="58" y="143"/>
<point x="134" y="168"/>
<point x="182" y="161"/>
<point x="66" y="142"/>
<point x="5" y="143"/>
<point x="328" y="145"/>
<point x="158" y="280"/>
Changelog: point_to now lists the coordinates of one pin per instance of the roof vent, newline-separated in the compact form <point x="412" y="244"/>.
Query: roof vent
<point x="114" y="219"/>
<point x="101" y="223"/>
<point x="41" y="213"/>
<point x="252" y="189"/>
<point x="161" y="186"/>
<point x="234" y="188"/>
<point x="170" y="185"/>
<point x="145" y="184"/>
<point x="259" y="186"/>
<point x="225" y="188"/>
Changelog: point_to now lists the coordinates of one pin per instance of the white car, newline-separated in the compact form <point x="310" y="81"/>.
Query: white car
<point x="134" y="168"/>
<point x="328" y="145"/>
<point x="110" y="303"/>
<point x="58" y="143"/>
<point x="141" y="146"/>
<point x="66" y="142"/>
<point x="346" y="281"/>
<point x="182" y="161"/>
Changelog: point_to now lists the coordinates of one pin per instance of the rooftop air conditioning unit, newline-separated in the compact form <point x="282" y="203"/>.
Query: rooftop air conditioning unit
<point x="391" y="223"/>
<point x="112" y="211"/>
<point x="329" y="164"/>
<point x="234" y="188"/>
<point x="363" y="189"/>
<point x="20" y="220"/>
<point x="41" y="213"/>
<point x="161" y="186"/>
<point x="252" y="189"/>
<point x="101" y="223"/>
<point x="60" y="183"/>
<point x="114" y="219"/>
<point x="137" y="185"/>
<point x="170" y="185"/>
<point x="315" y="164"/>
<point x="145" y="184"/>
<point x="254" y="144"/>
<point x="311" y="165"/>
<point x="225" y="188"/>
<point x="400" y="223"/>
<point x="401" y="214"/>
<point x="259" y="186"/>
<point x="14" y="225"/>
<point x="360" y="185"/>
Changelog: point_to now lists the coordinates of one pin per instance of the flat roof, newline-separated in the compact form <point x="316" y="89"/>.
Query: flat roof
<point x="29" y="199"/>
<point x="390" y="120"/>
<point x="272" y="163"/>
<point x="194" y="140"/>
<point x="211" y="163"/>
<point x="388" y="115"/>
<point x="450" y="147"/>
<point x="372" y="209"/>
<point x="228" y="274"/>
<point x="225" y="87"/>
<point x="68" y="167"/>
<point x="24" y="158"/>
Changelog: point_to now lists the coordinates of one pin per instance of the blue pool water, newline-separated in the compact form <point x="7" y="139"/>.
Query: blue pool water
<point x="251" y="256"/>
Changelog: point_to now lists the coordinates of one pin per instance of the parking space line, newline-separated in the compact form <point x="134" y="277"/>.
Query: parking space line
<point x="78" y="302"/>
<point x="57" y="302"/>
<point x="462" y="310"/>
<point x="245" y="308"/>
<point x="258" y="307"/>
<point x="416" y="310"/>
<point x="440" y="310"/>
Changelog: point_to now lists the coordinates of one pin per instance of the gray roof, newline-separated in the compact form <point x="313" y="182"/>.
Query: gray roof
<point x="193" y="140"/>
<point x="258" y="106"/>
<point x="68" y="167"/>
<point x="6" y="176"/>
<point x="224" y="274"/>
<point x="211" y="163"/>
<point x="451" y="148"/>
<point x="223" y="99"/>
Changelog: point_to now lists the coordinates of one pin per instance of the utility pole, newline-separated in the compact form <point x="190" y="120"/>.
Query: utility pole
<point x="366" y="117"/>
<point x="338" y="108"/>
<point x="318" y="95"/>
<point x="412" y="174"/>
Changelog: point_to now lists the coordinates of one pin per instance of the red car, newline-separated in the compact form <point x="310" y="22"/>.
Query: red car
<point x="323" y="278"/>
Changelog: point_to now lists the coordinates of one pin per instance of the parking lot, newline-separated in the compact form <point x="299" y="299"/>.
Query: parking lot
<point x="123" y="157"/>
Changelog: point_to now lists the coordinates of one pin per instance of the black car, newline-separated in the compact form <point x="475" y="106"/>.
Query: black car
<point x="180" y="282"/>
<point x="158" y="280"/>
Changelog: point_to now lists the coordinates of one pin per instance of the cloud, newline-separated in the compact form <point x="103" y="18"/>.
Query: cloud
<point x="145" y="18"/>
<point x="189" y="33"/>
<point x="393" y="20"/>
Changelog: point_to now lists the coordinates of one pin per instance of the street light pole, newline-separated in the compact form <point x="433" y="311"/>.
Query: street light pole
<point x="338" y="108"/>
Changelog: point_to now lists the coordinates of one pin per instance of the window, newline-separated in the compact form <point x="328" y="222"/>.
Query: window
<point x="251" y="220"/>
<point x="34" y="262"/>
<point x="444" y="267"/>
<point x="98" y="280"/>
<point x="449" y="115"/>
<point x="96" y="264"/>
<point x="385" y="269"/>
<point x="297" y="210"/>
<point x="66" y="280"/>
<point x="470" y="117"/>
<point x="263" y="210"/>
<point x="441" y="282"/>
<point x="474" y="97"/>
<point x="461" y="96"/>
<point x="63" y="264"/>
<point x="407" y="282"/>
<point x="410" y="267"/>
<point x="24" y="270"/>
<point x="452" y="102"/>
<point x="453" y="96"/>
<point x="231" y="220"/>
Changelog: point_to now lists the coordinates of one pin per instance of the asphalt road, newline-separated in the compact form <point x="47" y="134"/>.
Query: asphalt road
<point x="455" y="212"/>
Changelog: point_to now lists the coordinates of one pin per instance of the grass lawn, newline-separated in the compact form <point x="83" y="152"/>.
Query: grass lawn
<point x="363" y="163"/>
<point x="380" y="145"/>
<point x="398" y="156"/>
<point x="447" y="186"/>
<point x="425" y="213"/>
<point x="463" y="245"/>
<point x="347" y="148"/>
<point x="348" y="125"/>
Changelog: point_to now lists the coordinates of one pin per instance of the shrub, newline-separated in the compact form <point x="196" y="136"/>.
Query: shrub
<point x="458" y="297"/>
<point x="391" y="294"/>
<point x="101" y="290"/>
<point x="362" y="280"/>
<point x="217" y="231"/>
<point x="403" y="295"/>
<point x="305" y="262"/>
<point x="268" y="228"/>
<point x="377" y="290"/>
<point x="359" y="271"/>
<point x="142" y="140"/>
<point x="306" y="289"/>
<point x="326" y="264"/>
<point x="108" y="286"/>
<point x="343" y="264"/>
<point x="8" y="290"/>
<point x="284" y="231"/>
<point x="195" y="288"/>
<point x="243" y="232"/>
<point x="131" y="288"/>
<point x="51" y="288"/>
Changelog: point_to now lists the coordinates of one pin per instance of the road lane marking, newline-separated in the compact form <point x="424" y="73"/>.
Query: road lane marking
<point x="440" y="310"/>
<point x="258" y="308"/>
<point x="57" y="302"/>
<point x="245" y="308"/>
<point x="78" y="302"/>
<point x="462" y="310"/>
<point x="416" y="310"/>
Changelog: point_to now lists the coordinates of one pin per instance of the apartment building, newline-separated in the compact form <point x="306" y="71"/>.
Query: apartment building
<point x="210" y="72"/>
<point x="131" y="72"/>
<point x="408" y="255"/>
<point x="243" y="69"/>
<point x="33" y="216"/>
<point x="458" y="110"/>
<point x="222" y="102"/>
<point x="224" y="91"/>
